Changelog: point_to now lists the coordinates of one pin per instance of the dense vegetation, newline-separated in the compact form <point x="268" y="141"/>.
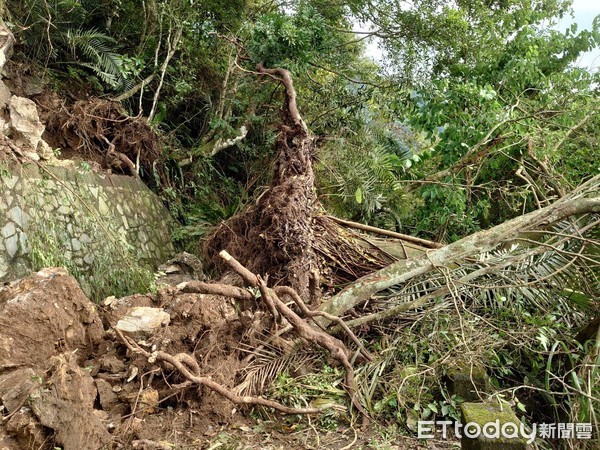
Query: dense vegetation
<point x="477" y="114"/>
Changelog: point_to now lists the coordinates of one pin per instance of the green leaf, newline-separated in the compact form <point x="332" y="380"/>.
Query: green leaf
<point x="358" y="195"/>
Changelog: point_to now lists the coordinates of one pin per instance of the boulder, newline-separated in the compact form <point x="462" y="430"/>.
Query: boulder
<point x="66" y="405"/>
<point x="25" y="121"/>
<point x="484" y="415"/>
<point x="45" y="314"/>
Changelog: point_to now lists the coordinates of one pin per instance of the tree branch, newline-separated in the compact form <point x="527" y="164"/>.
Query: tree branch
<point x="399" y="272"/>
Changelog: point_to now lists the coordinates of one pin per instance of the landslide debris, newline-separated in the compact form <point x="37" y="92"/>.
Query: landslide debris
<point x="67" y="381"/>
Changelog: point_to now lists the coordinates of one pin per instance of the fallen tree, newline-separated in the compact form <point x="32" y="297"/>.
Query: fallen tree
<point x="583" y="200"/>
<point x="285" y="234"/>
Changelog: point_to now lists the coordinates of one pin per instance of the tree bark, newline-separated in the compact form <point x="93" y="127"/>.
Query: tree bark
<point x="402" y="271"/>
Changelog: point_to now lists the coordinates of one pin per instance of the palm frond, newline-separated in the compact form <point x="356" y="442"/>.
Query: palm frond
<point x="555" y="271"/>
<point x="268" y="362"/>
<point x="98" y="49"/>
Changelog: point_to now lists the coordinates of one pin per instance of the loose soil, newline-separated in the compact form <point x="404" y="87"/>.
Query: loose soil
<point x="67" y="381"/>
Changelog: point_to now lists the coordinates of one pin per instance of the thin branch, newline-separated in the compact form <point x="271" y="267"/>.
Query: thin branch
<point x="370" y="229"/>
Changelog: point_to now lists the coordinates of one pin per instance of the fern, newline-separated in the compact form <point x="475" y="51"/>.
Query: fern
<point x="99" y="51"/>
<point x="54" y="33"/>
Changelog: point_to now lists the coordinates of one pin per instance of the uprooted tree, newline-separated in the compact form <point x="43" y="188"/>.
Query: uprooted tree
<point x="285" y="234"/>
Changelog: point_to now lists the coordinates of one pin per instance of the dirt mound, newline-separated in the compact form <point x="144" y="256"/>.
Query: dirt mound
<point x="49" y="327"/>
<point x="126" y="373"/>
<point x="205" y="326"/>
<point x="43" y="315"/>
<point x="65" y="381"/>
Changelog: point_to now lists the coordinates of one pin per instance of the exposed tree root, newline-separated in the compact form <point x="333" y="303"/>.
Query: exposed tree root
<point x="286" y="290"/>
<point x="275" y="236"/>
<point x="189" y="368"/>
<point x="102" y="128"/>
<point x="285" y="234"/>
<point x="281" y="313"/>
<point x="336" y="348"/>
<point x="215" y="289"/>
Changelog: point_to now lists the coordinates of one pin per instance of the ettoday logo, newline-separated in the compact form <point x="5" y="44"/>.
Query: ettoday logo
<point x="509" y="430"/>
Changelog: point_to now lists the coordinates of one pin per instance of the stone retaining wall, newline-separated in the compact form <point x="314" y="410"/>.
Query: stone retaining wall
<point x="78" y="215"/>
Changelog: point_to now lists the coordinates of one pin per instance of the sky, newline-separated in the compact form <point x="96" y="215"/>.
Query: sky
<point x="584" y="12"/>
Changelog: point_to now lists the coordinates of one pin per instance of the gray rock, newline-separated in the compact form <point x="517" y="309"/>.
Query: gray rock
<point x="16" y="214"/>
<point x="8" y="230"/>
<point x="5" y="96"/>
<point x="143" y="320"/>
<point x="75" y="245"/>
<point x="12" y="245"/>
<point x="7" y="41"/>
<point x="25" y="121"/>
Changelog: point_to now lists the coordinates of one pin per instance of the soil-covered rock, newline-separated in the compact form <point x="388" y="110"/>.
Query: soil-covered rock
<point x="66" y="380"/>
<point x="44" y="315"/>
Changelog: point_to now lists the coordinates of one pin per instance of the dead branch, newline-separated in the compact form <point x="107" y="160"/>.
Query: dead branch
<point x="199" y="287"/>
<point x="134" y="90"/>
<point x="248" y="276"/>
<point x="172" y="44"/>
<point x="188" y="367"/>
<point x="370" y="229"/>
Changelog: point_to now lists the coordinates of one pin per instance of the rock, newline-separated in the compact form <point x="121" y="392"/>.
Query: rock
<point x="115" y="309"/>
<point x="32" y="156"/>
<point x="7" y="41"/>
<point x="27" y="430"/>
<point x="482" y="414"/>
<point x="16" y="386"/>
<point x="42" y="313"/>
<point x="5" y="96"/>
<point x="142" y="320"/>
<point x="67" y="407"/>
<point x="25" y="121"/>
<point x="108" y="399"/>
<point x="16" y="214"/>
<point x="46" y="153"/>
<point x="181" y="268"/>
<point x="111" y="364"/>
<point x="148" y="402"/>
<point x="8" y="230"/>
<point x="469" y="382"/>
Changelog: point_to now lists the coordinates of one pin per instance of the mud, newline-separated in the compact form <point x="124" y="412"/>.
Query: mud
<point x="67" y="381"/>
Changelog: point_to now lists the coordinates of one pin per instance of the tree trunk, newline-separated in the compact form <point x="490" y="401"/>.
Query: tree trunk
<point x="276" y="236"/>
<point x="484" y="241"/>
